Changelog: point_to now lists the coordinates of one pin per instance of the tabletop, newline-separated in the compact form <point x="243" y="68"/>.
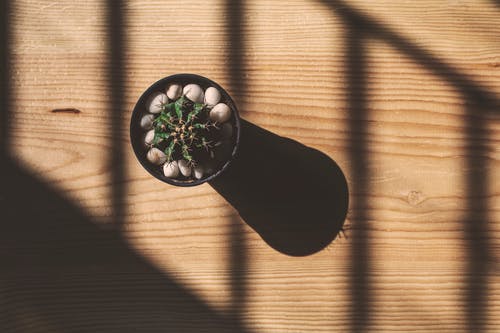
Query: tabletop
<point x="399" y="98"/>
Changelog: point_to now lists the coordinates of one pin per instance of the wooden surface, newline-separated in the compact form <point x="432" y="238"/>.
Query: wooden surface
<point x="403" y="95"/>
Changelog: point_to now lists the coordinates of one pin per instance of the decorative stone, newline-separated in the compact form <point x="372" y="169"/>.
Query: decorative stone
<point x="156" y="156"/>
<point x="171" y="169"/>
<point x="194" y="93"/>
<point x="184" y="168"/>
<point x="174" y="91"/>
<point x="147" y="121"/>
<point x="148" y="139"/>
<point x="198" y="172"/>
<point x="155" y="102"/>
<point x="212" y="96"/>
<point x="220" y="113"/>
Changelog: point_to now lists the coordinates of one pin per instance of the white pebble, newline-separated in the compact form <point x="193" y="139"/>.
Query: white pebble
<point x="174" y="91"/>
<point x="148" y="139"/>
<point x="212" y="96"/>
<point x="171" y="169"/>
<point x="227" y="130"/>
<point x="220" y="113"/>
<point x="198" y="172"/>
<point x="147" y="121"/>
<point x="194" y="93"/>
<point x="156" y="156"/>
<point x="184" y="168"/>
<point x="155" y="102"/>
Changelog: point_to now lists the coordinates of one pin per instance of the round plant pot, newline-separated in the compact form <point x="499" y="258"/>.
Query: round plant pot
<point x="221" y="155"/>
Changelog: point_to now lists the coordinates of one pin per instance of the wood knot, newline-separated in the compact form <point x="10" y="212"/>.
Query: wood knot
<point x="66" y="110"/>
<point x="415" y="198"/>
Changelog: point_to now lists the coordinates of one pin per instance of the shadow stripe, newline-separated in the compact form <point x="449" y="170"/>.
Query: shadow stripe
<point x="116" y="86"/>
<point x="476" y="219"/>
<point x="360" y="259"/>
<point x="5" y="89"/>
<point x="237" y="84"/>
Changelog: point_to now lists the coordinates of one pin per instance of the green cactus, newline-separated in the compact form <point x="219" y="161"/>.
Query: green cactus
<point x="183" y="130"/>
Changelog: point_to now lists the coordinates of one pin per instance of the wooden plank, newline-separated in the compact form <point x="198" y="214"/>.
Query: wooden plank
<point x="186" y="249"/>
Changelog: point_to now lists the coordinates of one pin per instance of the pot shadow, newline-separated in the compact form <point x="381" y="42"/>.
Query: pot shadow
<point x="293" y="196"/>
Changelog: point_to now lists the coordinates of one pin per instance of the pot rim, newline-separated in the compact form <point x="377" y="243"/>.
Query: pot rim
<point x="139" y="110"/>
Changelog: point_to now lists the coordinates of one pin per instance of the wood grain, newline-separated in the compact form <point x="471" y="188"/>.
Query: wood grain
<point x="295" y="83"/>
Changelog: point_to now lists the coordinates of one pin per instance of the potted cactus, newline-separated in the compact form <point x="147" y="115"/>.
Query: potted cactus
<point x="185" y="129"/>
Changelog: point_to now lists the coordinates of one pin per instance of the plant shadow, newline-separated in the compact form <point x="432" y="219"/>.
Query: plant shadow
<point x="293" y="196"/>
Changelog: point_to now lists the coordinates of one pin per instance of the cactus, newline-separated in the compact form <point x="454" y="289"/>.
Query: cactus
<point x="183" y="130"/>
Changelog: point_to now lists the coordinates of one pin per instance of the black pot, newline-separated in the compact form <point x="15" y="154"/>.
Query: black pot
<point x="137" y="133"/>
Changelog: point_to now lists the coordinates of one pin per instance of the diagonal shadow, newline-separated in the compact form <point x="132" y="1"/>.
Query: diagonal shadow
<point x="60" y="272"/>
<point x="63" y="273"/>
<point x="479" y="102"/>
<point x="471" y="90"/>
